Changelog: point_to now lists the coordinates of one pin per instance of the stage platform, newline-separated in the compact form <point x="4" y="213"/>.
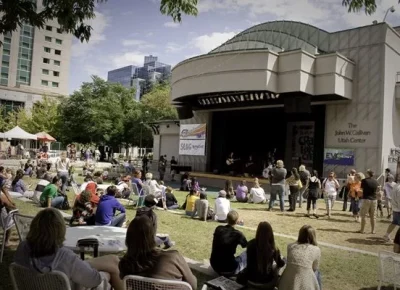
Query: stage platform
<point x="218" y="180"/>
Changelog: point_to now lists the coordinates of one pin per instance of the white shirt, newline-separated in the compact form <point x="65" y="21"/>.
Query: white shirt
<point x="330" y="186"/>
<point x="257" y="194"/>
<point x="396" y="198"/>
<point x="389" y="187"/>
<point x="62" y="166"/>
<point x="222" y="208"/>
<point x="154" y="187"/>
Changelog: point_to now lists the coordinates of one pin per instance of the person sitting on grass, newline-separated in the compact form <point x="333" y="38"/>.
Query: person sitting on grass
<point x="28" y="168"/>
<point x="225" y="241"/>
<point x="49" y="196"/>
<point x="83" y="211"/>
<point x="144" y="258"/>
<point x="190" y="201"/>
<point x="43" y="252"/>
<point x="242" y="191"/>
<point x="150" y="202"/>
<point x="222" y="207"/>
<point x="170" y="200"/>
<point x="18" y="185"/>
<point x="105" y="213"/>
<point x="257" y="193"/>
<point x="153" y="186"/>
<point x="263" y="259"/>
<point x="202" y="209"/>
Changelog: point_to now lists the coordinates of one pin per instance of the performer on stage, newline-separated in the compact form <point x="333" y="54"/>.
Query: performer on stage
<point x="230" y="163"/>
<point x="249" y="167"/>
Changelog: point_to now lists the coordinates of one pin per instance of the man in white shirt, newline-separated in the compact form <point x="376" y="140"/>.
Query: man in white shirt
<point x="62" y="167"/>
<point x="222" y="207"/>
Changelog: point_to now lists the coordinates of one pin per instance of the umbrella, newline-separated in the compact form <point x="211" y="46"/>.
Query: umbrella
<point x="43" y="136"/>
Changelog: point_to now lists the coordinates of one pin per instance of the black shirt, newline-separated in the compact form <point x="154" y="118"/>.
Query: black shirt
<point x="252" y="274"/>
<point x="369" y="187"/>
<point x="226" y="239"/>
<point x="397" y="238"/>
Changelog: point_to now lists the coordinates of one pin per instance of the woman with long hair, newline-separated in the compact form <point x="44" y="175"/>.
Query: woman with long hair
<point x="143" y="258"/>
<point x="230" y="193"/>
<point x="294" y="186"/>
<point x="263" y="259"/>
<point x="43" y="251"/>
<point x="18" y="185"/>
<point x="355" y="194"/>
<point x="314" y="186"/>
<point x="303" y="258"/>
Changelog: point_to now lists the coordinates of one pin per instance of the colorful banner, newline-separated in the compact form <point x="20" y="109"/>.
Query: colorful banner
<point x="301" y="140"/>
<point x="343" y="157"/>
<point x="192" y="139"/>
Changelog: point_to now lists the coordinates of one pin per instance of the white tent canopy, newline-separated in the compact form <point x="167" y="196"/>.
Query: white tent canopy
<point x="18" y="133"/>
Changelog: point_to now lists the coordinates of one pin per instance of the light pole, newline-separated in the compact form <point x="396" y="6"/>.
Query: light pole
<point x="141" y="132"/>
<point x="391" y="9"/>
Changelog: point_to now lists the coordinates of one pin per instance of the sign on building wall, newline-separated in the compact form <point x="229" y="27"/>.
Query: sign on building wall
<point x="343" y="157"/>
<point x="301" y="142"/>
<point x="352" y="134"/>
<point x="192" y="139"/>
<point x="394" y="162"/>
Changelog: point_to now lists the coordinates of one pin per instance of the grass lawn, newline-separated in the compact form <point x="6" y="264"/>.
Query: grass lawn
<point x="340" y="269"/>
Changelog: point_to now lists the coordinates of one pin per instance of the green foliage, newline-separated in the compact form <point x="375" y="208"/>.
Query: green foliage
<point x="107" y="114"/>
<point x="72" y="14"/>
<point x="369" y="6"/>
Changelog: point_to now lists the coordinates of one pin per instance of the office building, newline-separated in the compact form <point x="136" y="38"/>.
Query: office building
<point x="134" y="77"/>
<point x="34" y="63"/>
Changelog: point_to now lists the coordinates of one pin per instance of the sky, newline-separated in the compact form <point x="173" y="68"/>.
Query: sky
<point x="124" y="33"/>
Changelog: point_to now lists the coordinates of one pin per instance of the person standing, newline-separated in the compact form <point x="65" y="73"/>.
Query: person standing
<point x="329" y="187"/>
<point x="62" y="167"/>
<point x="314" y="187"/>
<point x="162" y="166"/>
<point x="174" y="163"/>
<point x="278" y="175"/>
<point x="305" y="179"/>
<point x="395" y="200"/>
<point x="388" y="189"/>
<point x="294" y="187"/>
<point x="369" y="187"/>
<point x="346" y="188"/>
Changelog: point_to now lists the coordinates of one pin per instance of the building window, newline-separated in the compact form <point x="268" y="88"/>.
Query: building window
<point x="57" y="62"/>
<point x="24" y="67"/>
<point x="47" y="49"/>
<point x="59" y="30"/>
<point x="45" y="83"/>
<point x="5" y="63"/>
<point x="49" y="28"/>
<point x="23" y="79"/>
<point x="4" y="75"/>
<point x="45" y="71"/>
<point x="56" y="73"/>
<point x="46" y="60"/>
<point x="57" y="52"/>
<point x="6" y="51"/>
<point x="27" y="33"/>
<point x="3" y="82"/>
<point x="25" y="44"/>
<point x="47" y="38"/>
<point x="58" y="41"/>
<point x="25" y="55"/>
<point x="55" y="85"/>
<point x="7" y="40"/>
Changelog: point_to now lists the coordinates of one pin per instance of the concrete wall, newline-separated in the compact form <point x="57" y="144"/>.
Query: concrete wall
<point x="167" y="142"/>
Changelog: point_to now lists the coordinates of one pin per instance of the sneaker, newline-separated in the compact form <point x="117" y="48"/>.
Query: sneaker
<point x="316" y="216"/>
<point x="387" y="239"/>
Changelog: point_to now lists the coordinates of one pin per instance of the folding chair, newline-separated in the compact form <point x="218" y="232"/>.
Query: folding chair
<point x="6" y="222"/>
<point x="22" y="223"/>
<point x="135" y="192"/>
<point x="136" y="282"/>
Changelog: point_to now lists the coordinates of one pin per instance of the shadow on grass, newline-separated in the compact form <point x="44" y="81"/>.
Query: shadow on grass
<point x="336" y="231"/>
<point x="369" y="241"/>
<point x="382" y="288"/>
<point x="252" y="209"/>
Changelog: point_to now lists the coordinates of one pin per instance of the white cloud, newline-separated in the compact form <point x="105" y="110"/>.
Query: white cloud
<point x="149" y="34"/>
<point x="173" y="47"/>
<point x="99" y="25"/>
<point x="137" y="42"/>
<point x="172" y="24"/>
<point x="206" y="43"/>
<point x="128" y="58"/>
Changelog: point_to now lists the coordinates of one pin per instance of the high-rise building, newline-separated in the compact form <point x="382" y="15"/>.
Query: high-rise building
<point x="134" y="77"/>
<point x="34" y="62"/>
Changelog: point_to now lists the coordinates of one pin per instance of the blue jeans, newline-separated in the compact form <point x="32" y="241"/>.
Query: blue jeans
<point x="57" y="202"/>
<point x="175" y="206"/>
<point x="277" y="190"/>
<point x="64" y="179"/>
<point x="242" y="262"/>
<point x="118" y="220"/>
<point x="318" y="275"/>
<point x="355" y="206"/>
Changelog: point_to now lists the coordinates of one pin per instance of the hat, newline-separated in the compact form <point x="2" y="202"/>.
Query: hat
<point x="222" y="193"/>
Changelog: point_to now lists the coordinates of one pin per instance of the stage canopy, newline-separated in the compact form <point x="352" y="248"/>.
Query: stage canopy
<point x="18" y="133"/>
<point x="43" y="136"/>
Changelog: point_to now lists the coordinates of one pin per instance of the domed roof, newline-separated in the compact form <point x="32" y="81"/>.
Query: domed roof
<point x="279" y="36"/>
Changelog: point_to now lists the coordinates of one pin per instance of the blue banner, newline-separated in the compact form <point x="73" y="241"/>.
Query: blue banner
<point x="343" y="157"/>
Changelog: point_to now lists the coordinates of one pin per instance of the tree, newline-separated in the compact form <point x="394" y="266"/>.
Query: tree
<point x="369" y="6"/>
<point x="72" y="15"/>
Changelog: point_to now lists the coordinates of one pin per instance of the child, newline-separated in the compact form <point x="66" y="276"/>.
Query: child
<point x="379" y="196"/>
<point x="388" y="189"/>
<point x="83" y="210"/>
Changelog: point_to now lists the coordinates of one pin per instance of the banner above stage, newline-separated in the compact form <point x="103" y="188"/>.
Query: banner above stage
<point x="192" y="139"/>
